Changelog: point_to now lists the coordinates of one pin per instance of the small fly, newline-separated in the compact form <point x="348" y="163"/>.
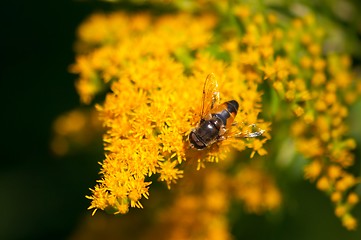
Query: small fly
<point x="216" y="119"/>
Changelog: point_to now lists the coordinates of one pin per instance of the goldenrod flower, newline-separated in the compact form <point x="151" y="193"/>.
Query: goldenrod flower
<point x="336" y="197"/>
<point x="313" y="170"/>
<point x="323" y="184"/>
<point x="349" y="222"/>
<point x="155" y="68"/>
<point x="257" y="190"/>
<point x="148" y="126"/>
<point x="154" y="105"/>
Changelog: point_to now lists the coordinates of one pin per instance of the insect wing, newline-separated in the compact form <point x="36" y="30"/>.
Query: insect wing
<point x="254" y="132"/>
<point x="210" y="95"/>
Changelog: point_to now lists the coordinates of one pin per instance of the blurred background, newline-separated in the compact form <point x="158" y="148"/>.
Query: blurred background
<point x="43" y="195"/>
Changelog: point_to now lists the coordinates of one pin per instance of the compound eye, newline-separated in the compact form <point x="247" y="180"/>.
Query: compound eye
<point x="195" y="141"/>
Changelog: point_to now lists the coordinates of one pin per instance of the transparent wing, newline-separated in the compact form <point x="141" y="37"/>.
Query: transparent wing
<point x="253" y="132"/>
<point x="210" y="98"/>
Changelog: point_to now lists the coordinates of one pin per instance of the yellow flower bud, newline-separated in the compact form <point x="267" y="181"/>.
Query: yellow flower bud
<point x="336" y="197"/>
<point x="334" y="171"/>
<point x="323" y="184"/>
<point x="349" y="222"/>
<point x="340" y="211"/>
<point x="352" y="198"/>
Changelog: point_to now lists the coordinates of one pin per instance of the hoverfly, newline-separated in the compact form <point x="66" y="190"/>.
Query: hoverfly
<point x="215" y="118"/>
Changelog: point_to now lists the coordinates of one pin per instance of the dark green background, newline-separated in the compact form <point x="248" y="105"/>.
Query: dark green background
<point x="42" y="196"/>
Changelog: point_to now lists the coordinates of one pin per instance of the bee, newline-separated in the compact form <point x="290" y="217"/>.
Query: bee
<point x="216" y="119"/>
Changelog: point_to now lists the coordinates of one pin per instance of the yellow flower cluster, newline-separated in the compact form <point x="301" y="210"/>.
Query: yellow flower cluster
<point x="111" y="42"/>
<point x="319" y="87"/>
<point x="199" y="210"/>
<point x="154" y="104"/>
<point x="256" y="189"/>
<point x="202" y="201"/>
<point x="155" y="68"/>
